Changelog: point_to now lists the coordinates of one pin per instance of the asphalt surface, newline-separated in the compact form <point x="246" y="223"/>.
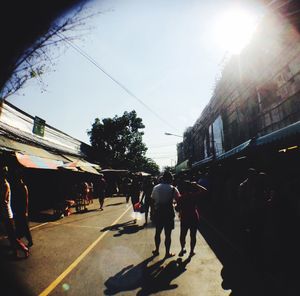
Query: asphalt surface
<point x="108" y="252"/>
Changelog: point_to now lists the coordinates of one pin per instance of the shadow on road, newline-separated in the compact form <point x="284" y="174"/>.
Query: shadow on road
<point x="11" y="282"/>
<point x="150" y="279"/>
<point x="128" y="227"/>
<point x="43" y="217"/>
<point x="114" y="204"/>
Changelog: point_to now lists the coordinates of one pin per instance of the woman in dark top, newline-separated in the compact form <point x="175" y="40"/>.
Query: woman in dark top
<point x="188" y="207"/>
<point x="146" y="198"/>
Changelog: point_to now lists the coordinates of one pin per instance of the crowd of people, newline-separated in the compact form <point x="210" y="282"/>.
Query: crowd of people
<point x="245" y="206"/>
<point x="159" y="198"/>
<point x="251" y="204"/>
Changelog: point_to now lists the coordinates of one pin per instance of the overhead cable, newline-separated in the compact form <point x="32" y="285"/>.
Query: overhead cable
<point x="95" y="63"/>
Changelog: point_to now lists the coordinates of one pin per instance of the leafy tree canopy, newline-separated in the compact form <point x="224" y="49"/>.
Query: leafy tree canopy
<point x="118" y="143"/>
<point x="32" y="50"/>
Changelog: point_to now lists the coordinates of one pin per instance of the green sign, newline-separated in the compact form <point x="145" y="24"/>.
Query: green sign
<point x="39" y="126"/>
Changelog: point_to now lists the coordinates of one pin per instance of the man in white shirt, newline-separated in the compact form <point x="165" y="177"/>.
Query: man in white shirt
<point x="163" y="195"/>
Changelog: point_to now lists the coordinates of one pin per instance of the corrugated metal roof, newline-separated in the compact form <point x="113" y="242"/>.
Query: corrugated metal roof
<point x="28" y="149"/>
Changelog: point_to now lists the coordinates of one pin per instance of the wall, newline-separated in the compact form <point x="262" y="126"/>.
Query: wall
<point x="258" y="92"/>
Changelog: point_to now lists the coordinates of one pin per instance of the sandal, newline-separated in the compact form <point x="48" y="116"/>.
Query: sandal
<point x="169" y="255"/>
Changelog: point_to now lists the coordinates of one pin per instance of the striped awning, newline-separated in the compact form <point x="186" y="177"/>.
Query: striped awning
<point x="81" y="165"/>
<point x="33" y="161"/>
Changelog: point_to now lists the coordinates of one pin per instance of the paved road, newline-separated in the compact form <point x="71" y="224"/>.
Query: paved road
<point x="109" y="253"/>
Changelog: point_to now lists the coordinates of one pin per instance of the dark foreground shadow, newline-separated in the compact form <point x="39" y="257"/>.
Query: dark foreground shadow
<point x="114" y="204"/>
<point x="43" y="217"/>
<point x="148" y="279"/>
<point x="128" y="227"/>
<point x="85" y="211"/>
<point x="11" y="282"/>
<point x="246" y="275"/>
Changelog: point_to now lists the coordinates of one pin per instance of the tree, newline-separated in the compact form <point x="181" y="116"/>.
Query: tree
<point x="170" y="169"/>
<point x="32" y="61"/>
<point x="148" y="165"/>
<point x="117" y="143"/>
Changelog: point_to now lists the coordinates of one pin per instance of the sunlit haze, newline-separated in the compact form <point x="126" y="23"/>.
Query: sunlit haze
<point x="234" y="28"/>
<point x="164" y="52"/>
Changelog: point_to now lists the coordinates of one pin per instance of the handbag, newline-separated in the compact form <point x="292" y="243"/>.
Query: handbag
<point x="139" y="207"/>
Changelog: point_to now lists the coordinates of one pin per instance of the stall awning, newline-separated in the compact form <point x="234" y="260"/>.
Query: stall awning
<point x="143" y="174"/>
<point x="114" y="171"/>
<point x="235" y="150"/>
<point x="182" y="166"/>
<point x="286" y="132"/>
<point x="82" y="165"/>
<point x="202" y="162"/>
<point x="33" y="161"/>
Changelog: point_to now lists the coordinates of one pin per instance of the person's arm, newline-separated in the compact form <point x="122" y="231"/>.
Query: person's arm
<point x="154" y="195"/>
<point x="26" y="196"/>
<point x="176" y="194"/>
<point x="199" y="188"/>
<point x="143" y="195"/>
<point x="6" y="193"/>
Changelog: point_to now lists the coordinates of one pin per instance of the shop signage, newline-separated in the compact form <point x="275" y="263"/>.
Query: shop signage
<point x="39" y="126"/>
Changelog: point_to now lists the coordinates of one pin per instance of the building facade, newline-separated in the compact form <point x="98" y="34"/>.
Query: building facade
<point x="258" y="92"/>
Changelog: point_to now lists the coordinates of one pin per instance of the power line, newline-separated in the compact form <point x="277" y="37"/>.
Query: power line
<point x="162" y="157"/>
<point x="95" y="63"/>
<point x="162" y="146"/>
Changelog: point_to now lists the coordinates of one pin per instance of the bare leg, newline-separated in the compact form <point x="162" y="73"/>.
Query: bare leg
<point x="183" y="233"/>
<point x="168" y="242"/>
<point x="146" y="213"/>
<point x="28" y="234"/>
<point x="101" y="202"/>
<point x="158" y="231"/>
<point x="14" y="242"/>
<point x="193" y="232"/>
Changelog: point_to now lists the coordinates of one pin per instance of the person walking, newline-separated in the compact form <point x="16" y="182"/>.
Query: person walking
<point x="100" y="190"/>
<point x="163" y="195"/>
<point x="126" y="187"/>
<point x="135" y="191"/>
<point x="6" y="215"/>
<point x="188" y="208"/>
<point x="19" y="192"/>
<point x="146" y="197"/>
<point x="90" y="194"/>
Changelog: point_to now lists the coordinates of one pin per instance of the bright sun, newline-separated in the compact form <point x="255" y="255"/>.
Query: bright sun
<point x="234" y="29"/>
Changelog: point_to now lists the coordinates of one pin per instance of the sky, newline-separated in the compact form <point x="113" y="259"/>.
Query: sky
<point x="167" y="53"/>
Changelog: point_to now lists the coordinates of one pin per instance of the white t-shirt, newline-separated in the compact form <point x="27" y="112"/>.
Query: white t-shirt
<point x="163" y="193"/>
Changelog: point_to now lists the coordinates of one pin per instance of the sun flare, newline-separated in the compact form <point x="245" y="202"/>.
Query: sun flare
<point x="234" y="29"/>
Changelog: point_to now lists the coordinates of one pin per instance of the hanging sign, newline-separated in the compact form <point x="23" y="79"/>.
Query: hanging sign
<point x="39" y="126"/>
